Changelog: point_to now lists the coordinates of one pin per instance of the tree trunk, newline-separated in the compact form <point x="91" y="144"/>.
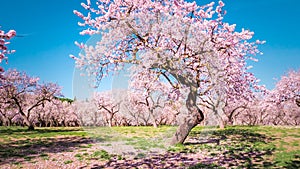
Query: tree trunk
<point x="110" y="122"/>
<point x="221" y="119"/>
<point x="30" y="127"/>
<point x="221" y="124"/>
<point x="6" y="121"/>
<point x="194" y="117"/>
<point x="27" y="122"/>
<point x="184" y="129"/>
<point x="153" y="118"/>
<point x="298" y="102"/>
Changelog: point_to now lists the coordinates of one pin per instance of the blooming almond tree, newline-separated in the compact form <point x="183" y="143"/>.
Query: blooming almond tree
<point x="25" y="93"/>
<point x="3" y="42"/>
<point x="86" y="112"/>
<point x="55" y="113"/>
<point x="174" y="38"/>
<point x="149" y="93"/>
<point x="287" y="88"/>
<point x="283" y="101"/>
<point x="7" y="112"/>
<point x="107" y="105"/>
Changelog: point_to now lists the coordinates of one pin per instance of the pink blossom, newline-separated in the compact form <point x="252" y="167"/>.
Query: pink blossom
<point x="221" y="4"/>
<point x="3" y="48"/>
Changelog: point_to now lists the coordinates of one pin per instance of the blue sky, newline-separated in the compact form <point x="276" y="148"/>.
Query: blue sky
<point x="50" y="29"/>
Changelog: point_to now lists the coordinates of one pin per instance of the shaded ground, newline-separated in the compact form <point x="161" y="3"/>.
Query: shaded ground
<point x="143" y="147"/>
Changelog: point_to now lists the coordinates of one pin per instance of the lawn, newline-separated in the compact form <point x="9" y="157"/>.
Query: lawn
<point x="146" y="147"/>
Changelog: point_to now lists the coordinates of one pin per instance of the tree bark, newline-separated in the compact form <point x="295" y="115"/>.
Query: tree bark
<point x="110" y="121"/>
<point x="153" y="118"/>
<point x="26" y="118"/>
<point x="194" y="117"/>
<point x="28" y="123"/>
<point x="221" y="124"/>
<point x="221" y="118"/>
<point x="30" y="127"/>
<point x="298" y="102"/>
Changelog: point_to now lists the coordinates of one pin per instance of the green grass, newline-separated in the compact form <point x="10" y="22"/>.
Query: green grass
<point x="96" y="155"/>
<point x="240" y="146"/>
<point x="68" y="162"/>
<point x="106" y="134"/>
<point x="44" y="156"/>
<point x="19" y="142"/>
<point x="253" y="147"/>
<point x="141" y="143"/>
<point x="102" y="154"/>
<point x="80" y="157"/>
<point x="206" y="166"/>
<point x="28" y="158"/>
<point x="9" y="133"/>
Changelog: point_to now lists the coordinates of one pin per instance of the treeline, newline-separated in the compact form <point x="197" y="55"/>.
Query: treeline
<point x="24" y="101"/>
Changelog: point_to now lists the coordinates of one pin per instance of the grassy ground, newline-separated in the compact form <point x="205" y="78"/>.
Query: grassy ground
<point x="145" y="147"/>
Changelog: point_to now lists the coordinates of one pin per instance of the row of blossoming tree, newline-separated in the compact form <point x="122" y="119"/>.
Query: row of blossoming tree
<point x="26" y="101"/>
<point x="279" y="106"/>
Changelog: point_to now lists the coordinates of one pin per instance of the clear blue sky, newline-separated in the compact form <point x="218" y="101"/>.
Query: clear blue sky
<point x="50" y="29"/>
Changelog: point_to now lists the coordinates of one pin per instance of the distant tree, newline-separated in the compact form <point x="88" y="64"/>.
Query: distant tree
<point x="276" y="107"/>
<point x="173" y="38"/>
<point x="287" y="88"/>
<point x="150" y="94"/>
<point x="64" y="99"/>
<point x="283" y="100"/>
<point x="25" y="93"/>
<point x="55" y="113"/>
<point x="107" y="106"/>
<point x="86" y="113"/>
<point x="229" y="91"/>
<point x="7" y="113"/>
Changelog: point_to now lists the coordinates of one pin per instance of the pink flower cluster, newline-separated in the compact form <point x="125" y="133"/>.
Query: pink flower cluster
<point x="3" y="42"/>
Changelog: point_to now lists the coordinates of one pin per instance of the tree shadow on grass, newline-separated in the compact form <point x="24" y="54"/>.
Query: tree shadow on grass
<point x="26" y="149"/>
<point x="157" y="161"/>
<point x="230" y="148"/>
<point x="234" y="147"/>
<point x="294" y="164"/>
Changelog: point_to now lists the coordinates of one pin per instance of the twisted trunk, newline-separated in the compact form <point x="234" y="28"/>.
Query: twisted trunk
<point x="191" y="120"/>
<point x="25" y="118"/>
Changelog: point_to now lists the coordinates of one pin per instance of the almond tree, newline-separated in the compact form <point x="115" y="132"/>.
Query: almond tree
<point x="142" y="106"/>
<point x="287" y="88"/>
<point x="7" y="113"/>
<point x="150" y="94"/>
<point x="67" y="115"/>
<point x="230" y="85"/>
<point x="233" y="109"/>
<point x="55" y="113"/>
<point x="283" y="100"/>
<point x="26" y="94"/>
<point x="278" y="106"/>
<point x="86" y="113"/>
<point x="174" y="38"/>
<point x="107" y="106"/>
